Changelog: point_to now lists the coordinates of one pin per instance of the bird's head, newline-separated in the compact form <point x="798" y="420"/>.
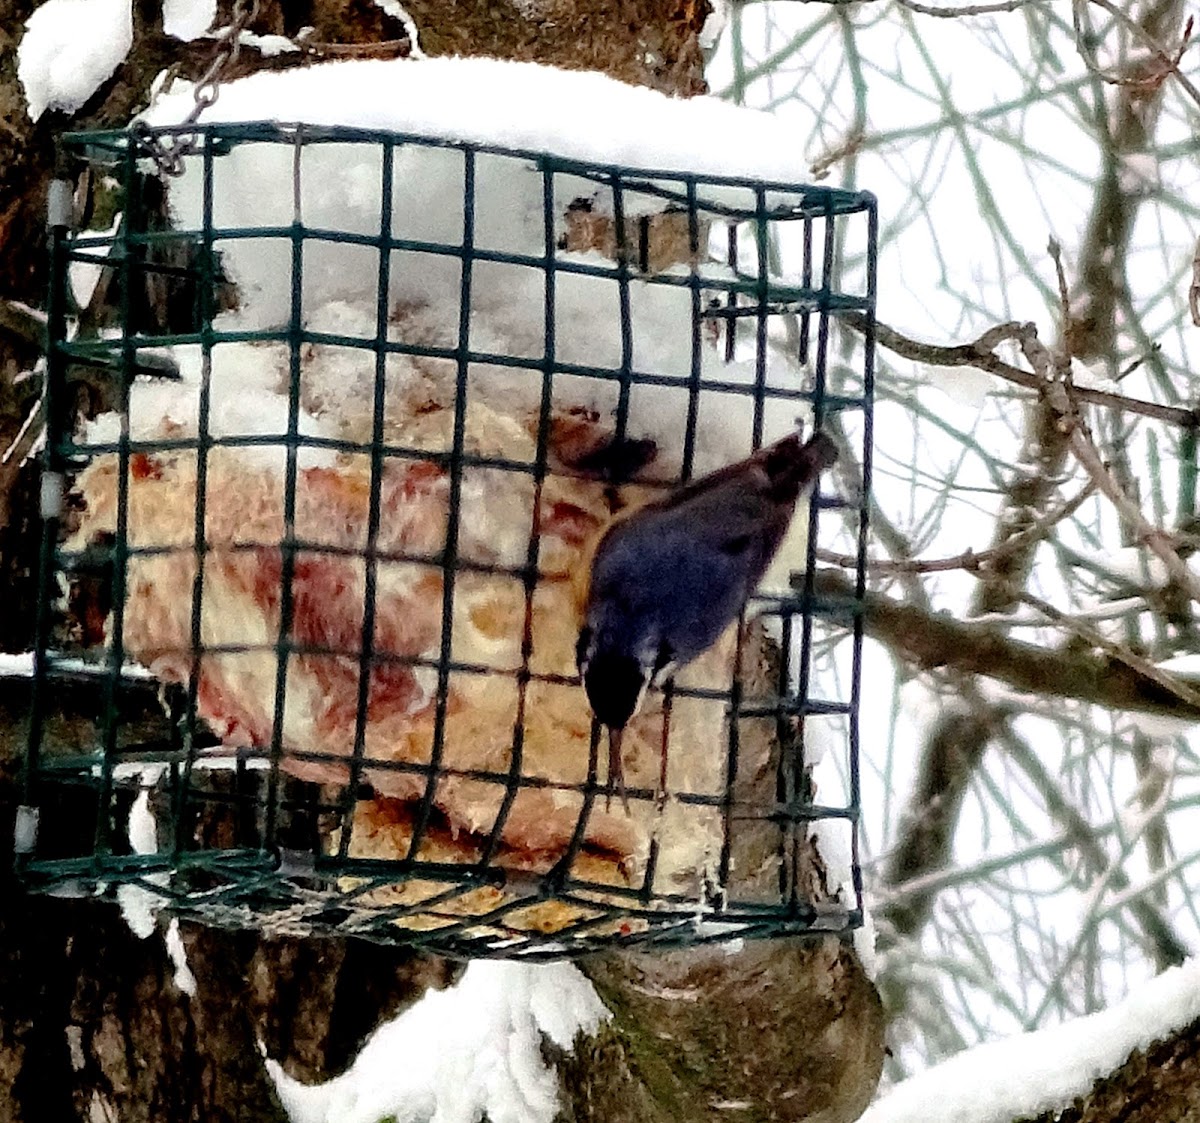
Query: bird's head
<point x="615" y="686"/>
<point x="616" y="673"/>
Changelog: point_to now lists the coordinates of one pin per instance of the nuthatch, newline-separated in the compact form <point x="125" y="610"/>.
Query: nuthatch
<point x="669" y="578"/>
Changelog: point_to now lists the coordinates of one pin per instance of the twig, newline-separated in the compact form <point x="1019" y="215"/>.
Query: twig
<point x="938" y="880"/>
<point x="964" y="9"/>
<point x="974" y="562"/>
<point x="23" y="323"/>
<point x="934" y="639"/>
<point x="953" y="12"/>
<point x="1169" y="60"/>
<point x="385" y="48"/>
<point x="981" y="356"/>
<point x="1168" y="947"/>
<point x="1156" y="539"/>
<point x="1098" y="640"/>
<point x="1054" y="248"/>
<point x="1194" y="290"/>
<point x="1152" y="885"/>
<point x="26" y="437"/>
<point x="969" y="560"/>
<point x="819" y="168"/>
<point x="1133" y="365"/>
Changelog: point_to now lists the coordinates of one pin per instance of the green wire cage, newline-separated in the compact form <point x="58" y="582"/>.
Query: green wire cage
<point x="313" y="534"/>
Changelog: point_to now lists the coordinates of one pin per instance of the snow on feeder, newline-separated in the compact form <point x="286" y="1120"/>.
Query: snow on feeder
<point x="317" y="567"/>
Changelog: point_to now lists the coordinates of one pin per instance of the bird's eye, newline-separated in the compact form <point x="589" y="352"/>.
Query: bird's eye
<point x="581" y="647"/>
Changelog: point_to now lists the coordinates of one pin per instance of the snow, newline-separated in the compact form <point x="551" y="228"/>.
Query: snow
<point x="399" y="12"/>
<point x="16" y="666"/>
<point x="184" y="979"/>
<point x="1045" y="1070"/>
<point x="714" y="24"/>
<point x="824" y="755"/>
<point x="967" y="386"/>
<point x="1132" y="563"/>
<point x="69" y="49"/>
<point x="246" y="399"/>
<point x="1187" y="664"/>
<point x="459" y="1053"/>
<point x="188" y="19"/>
<point x="267" y="45"/>
<point x="582" y="115"/>
<point x="1092" y="376"/>
<point x="578" y="114"/>
<point x="21" y="666"/>
<point x="84" y="275"/>
<point x="1139" y="173"/>
<point x="139" y="905"/>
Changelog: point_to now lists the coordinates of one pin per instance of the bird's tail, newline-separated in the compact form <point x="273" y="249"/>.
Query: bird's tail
<point x="791" y="466"/>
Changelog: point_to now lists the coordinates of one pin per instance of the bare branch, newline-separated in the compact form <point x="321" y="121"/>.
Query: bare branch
<point x="951" y="12"/>
<point x="1157" y="539"/>
<point x="850" y="144"/>
<point x="934" y="639"/>
<point x="1194" y="289"/>
<point x="1167" y="61"/>
<point x="973" y="872"/>
<point x="980" y="355"/>
<point x="970" y="560"/>
<point x="926" y="834"/>
<point x="1168" y="947"/>
<point x="955" y="11"/>
<point x="1181" y="690"/>
<point x="1064" y="297"/>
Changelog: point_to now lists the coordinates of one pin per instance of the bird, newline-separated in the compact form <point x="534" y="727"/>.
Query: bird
<point x="667" y="578"/>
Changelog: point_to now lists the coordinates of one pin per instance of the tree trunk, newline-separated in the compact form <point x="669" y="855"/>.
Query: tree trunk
<point x="774" y="1030"/>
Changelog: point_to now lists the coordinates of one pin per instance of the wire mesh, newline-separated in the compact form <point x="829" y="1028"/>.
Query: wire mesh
<point x="161" y="779"/>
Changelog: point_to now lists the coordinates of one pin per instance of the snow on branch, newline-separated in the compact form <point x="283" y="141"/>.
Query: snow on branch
<point x="1045" y="1070"/>
<point x="70" y="48"/>
<point x="460" y="1053"/>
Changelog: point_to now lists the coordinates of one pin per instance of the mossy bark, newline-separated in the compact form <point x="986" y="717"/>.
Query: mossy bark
<point x="777" y="1030"/>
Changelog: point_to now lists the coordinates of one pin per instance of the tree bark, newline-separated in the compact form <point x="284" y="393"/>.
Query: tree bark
<point x="775" y="1030"/>
<point x="1157" y="1083"/>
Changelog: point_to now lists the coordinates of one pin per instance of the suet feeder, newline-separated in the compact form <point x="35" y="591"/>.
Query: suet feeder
<point x="305" y="646"/>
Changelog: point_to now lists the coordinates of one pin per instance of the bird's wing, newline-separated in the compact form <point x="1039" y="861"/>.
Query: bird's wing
<point x="779" y="471"/>
<point x="746" y="506"/>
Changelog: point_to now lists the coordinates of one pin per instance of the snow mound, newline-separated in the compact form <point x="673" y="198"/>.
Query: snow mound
<point x="188" y="19"/>
<point x="460" y="1053"/>
<point x="577" y="114"/>
<point x="70" y="48"/>
<point x="584" y="116"/>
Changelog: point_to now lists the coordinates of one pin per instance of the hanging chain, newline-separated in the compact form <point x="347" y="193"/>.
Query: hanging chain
<point x="168" y="156"/>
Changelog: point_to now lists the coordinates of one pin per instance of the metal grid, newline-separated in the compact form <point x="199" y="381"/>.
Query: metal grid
<point x="252" y="845"/>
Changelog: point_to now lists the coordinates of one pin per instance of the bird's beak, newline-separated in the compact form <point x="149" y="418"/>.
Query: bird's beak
<point x="616" y="771"/>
